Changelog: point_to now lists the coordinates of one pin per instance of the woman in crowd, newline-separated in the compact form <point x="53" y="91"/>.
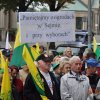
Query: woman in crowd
<point x="65" y="67"/>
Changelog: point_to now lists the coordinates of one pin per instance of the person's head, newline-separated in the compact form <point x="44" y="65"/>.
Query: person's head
<point x="68" y="52"/>
<point x="25" y="68"/>
<point x="91" y="55"/>
<point x="14" y="71"/>
<point x="44" y="62"/>
<point x="76" y="64"/>
<point x="62" y="59"/>
<point x="91" y="65"/>
<point x="56" y="59"/>
<point x="34" y="46"/>
<point x="6" y="53"/>
<point x="86" y="53"/>
<point x="56" y="68"/>
<point x="41" y="49"/>
<point x="65" y="67"/>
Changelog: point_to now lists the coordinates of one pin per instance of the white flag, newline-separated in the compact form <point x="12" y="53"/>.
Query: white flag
<point x="7" y="41"/>
<point x="7" y="46"/>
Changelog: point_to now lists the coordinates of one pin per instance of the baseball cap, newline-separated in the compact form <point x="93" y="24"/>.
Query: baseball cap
<point x="92" y="62"/>
<point x="6" y="52"/>
<point x="45" y="58"/>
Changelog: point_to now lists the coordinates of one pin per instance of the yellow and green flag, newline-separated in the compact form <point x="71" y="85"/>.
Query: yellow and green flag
<point x="27" y="55"/>
<point x="17" y="58"/>
<point x="17" y="40"/>
<point x="2" y="63"/>
<point x="96" y="49"/>
<point x="6" y="84"/>
<point x="38" y="48"/>
<point x="34" y="53"/>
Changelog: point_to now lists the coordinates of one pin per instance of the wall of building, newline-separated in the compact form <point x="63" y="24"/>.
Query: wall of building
<point x="8" y="22"/>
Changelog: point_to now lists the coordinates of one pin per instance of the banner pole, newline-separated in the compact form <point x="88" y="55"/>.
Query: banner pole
<point x="48" y="47"/>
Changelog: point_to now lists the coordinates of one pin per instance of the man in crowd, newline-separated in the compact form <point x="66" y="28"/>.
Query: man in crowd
<point x="68" y="52"/>
<point x="74" y="85"/>
<point x="48" y="78"/>
<point x="17" y="84"/>
<point x="91" y="72"/>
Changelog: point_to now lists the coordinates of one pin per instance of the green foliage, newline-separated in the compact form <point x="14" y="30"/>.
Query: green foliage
<point x="22" y="5"/>
<point x="8" y="4"/>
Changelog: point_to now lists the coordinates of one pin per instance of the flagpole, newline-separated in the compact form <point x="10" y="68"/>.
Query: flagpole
<point x="48" y="48"/>
<point x="89" y="24"/>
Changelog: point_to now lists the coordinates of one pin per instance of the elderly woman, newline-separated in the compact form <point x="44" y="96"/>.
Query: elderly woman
<point x="65" y="67"/>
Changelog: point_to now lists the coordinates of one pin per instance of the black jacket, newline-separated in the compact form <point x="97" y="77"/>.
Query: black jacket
<point x="31" y="93"/>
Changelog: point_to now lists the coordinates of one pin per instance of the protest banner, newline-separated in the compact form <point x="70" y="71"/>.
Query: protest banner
<point x="47" y="26"/>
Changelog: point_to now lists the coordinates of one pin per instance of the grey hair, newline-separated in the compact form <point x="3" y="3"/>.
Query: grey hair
<point x="87" y="50"/>
<point x="64" y="59"/>
<point x="74" y="58"/>
<point x="66" y="50"/>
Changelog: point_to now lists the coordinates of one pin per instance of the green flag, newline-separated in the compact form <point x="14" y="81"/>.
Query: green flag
<point x="17" y="58"/>
<point x="96" y="49"/>
<point x="97" y="52"/>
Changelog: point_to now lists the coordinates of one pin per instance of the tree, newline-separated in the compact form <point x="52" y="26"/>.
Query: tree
<point x="22" y="5"/>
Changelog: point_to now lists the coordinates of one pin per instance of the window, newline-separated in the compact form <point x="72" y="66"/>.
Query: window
<point x="79" y="23"/>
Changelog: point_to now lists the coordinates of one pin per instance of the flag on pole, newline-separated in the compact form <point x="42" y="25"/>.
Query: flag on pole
<point x="38" y="48"/>
<point x="94" y="44"/>
<point x="17" y="40"/>
<point x="7" y="42"/>
<point x="2" y="63"/>
<point x="7" y="46"/>
<point x="34" y="52"/>
<point x="27" y="55"/>
<point x="6" y="84"/>
<point x="96" y="49"/>
<point x="17" y="58"/>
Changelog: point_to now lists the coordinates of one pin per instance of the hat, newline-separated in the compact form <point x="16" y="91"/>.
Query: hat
<point x="6" y="52"/>
<point x="92" y="62"/>
<point x="55" y="65"/>
<point x="44" y="57"/>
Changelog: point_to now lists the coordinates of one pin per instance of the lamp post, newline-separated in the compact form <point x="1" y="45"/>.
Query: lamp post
<point x="89" y="24"/>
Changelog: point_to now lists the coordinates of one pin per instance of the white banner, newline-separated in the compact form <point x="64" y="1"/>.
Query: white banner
<point x="47" y="26"/>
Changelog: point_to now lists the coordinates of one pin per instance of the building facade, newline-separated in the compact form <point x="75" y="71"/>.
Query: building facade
<point x="8" y="23"/>
<point x="81" y="10"/>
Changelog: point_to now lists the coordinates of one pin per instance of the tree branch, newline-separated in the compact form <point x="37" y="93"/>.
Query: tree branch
<point x="60" y="4"/>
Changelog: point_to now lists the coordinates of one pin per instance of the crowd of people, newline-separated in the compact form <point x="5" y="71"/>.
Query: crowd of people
<point x="65" y="77"/>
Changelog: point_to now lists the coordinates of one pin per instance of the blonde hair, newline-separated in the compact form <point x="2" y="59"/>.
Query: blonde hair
<point x="55" y="58"/>
<point x="62" y="64"/>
